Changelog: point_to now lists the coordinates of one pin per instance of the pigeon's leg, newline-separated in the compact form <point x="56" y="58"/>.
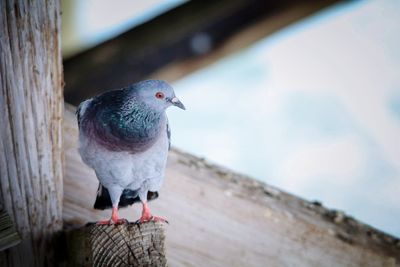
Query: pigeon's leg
<point x="114" y="218"/>
<point x="146" y="215"/>
<point x="115" y="194"/>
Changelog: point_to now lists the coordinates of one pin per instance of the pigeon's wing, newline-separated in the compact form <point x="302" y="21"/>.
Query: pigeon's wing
<point x="169" y="135"/>
<point x="80" y="111"/>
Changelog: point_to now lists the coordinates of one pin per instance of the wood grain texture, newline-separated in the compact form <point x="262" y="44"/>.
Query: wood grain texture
<point x="221" y="218"/>
<point x="117" y="245"/>
<point x="31" y="106"/>
<point x="9" y="236"/>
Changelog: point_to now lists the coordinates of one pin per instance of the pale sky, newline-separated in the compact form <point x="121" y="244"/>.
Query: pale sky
<point x="313" y="109"/>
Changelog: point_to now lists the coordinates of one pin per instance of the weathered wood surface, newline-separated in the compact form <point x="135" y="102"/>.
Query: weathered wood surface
<point x="220" y="218"/>
<point x="187" y="32"/>
<point x="117" y="245"/>
<point x="31" y="107"/>
<point x="9" y="236"/>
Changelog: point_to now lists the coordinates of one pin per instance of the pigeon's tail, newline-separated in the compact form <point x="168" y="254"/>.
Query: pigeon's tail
<point x="128" y="197"/>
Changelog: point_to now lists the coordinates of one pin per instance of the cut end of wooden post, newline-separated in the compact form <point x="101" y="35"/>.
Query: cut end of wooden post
<point x="128" y="244"/>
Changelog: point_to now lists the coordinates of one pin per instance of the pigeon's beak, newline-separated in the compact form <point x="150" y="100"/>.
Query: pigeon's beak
<point x="176" y="102"/>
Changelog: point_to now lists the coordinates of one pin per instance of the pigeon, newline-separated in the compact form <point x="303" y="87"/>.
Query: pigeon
<point x="124" y="136"/>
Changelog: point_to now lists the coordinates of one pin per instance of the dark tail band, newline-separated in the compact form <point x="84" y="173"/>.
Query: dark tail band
<point x="128" y="197"/>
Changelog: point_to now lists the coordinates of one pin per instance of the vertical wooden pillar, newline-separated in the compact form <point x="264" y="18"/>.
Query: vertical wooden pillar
<point x="31" y="105"/>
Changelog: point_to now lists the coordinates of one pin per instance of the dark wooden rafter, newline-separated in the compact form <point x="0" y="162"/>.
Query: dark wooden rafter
<point x="188" y="31"/>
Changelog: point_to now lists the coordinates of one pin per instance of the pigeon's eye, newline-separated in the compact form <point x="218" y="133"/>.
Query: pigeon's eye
<point x="159" y="95"/>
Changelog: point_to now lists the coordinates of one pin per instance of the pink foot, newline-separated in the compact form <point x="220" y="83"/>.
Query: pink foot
<point x="111" y="222"/>
<point x="114" y="219"/>
<point x="147" y="217"/>
<point x="152" y="219"/>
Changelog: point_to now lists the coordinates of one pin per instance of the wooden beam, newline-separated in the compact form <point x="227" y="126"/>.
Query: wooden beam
<point x="241" y="39"/>
<point x="221" y="218"/>
<point x="190" y="31"/>
<point x="31" y="107"/>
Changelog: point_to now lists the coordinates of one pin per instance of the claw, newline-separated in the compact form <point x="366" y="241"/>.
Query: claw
<point x="105" y="222"/>
<point x="152" y="219"/>
<point x="114" y="219"/>
<point x="147" y="217"/>
<point x="111" y="222"/>
<point x="158" y="219"/>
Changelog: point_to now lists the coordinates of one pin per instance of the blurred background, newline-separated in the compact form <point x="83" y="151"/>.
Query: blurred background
<point x="301" y="95"/>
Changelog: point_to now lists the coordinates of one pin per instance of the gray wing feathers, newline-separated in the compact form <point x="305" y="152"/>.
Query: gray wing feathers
<point x="169" y="135"/>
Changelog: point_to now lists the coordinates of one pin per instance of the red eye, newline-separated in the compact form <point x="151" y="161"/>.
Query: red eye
<point x="159" y="95"/>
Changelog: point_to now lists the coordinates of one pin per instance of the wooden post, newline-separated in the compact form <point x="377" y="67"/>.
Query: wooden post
<point x="117" y="245"/>
<point x="31" y="106"/>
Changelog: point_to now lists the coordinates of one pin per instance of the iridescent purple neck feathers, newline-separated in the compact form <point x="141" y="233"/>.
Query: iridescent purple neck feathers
<point x="119" y="121"/>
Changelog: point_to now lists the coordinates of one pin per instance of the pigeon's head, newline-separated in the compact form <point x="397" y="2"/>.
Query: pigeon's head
<point x="157" y="94"/>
